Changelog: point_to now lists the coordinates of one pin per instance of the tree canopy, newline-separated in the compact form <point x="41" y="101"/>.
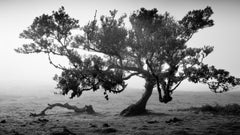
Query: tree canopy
<point x="154" y="48"/>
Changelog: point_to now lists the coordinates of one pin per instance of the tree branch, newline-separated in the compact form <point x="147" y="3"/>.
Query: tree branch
<point x="176" y="85"/>
<point x="129" y="76"/>
<point x="56" y="66"/>
<point x="87" y="108"/>
<point x="156" y="77"/>
<point x="140" y="71"/>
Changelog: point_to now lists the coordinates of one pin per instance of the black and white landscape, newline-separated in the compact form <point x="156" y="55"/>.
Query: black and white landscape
<point x="138" y="67"/>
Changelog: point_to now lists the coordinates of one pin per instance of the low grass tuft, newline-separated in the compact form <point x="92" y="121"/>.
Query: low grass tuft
<point x="229" y="109"/>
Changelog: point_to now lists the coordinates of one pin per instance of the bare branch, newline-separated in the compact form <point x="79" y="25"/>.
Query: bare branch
<point x="87" y="108"/>
<point x="129" y="76"/>
<point x="56" y="66"/>
<point x="176" y="85"/>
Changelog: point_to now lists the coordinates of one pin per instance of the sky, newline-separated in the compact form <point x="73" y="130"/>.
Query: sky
<point x="33" y="74"/>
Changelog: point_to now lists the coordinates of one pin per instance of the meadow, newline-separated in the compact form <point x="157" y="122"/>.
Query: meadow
<point x="176" y="117"/>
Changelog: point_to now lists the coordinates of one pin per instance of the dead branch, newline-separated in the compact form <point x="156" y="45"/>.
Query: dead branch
<point x="88" y="109"/>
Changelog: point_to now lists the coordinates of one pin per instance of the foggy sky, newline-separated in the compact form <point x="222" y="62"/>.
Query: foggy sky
<point x="22" y="73"/>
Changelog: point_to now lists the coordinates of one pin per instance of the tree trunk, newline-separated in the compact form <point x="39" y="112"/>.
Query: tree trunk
<point x="140" y="107"/>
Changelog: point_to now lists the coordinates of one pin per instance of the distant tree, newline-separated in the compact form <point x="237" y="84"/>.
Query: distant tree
<point x="154" y="48"/>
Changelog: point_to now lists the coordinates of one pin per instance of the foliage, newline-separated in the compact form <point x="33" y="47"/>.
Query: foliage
<point x="155" y="48"/>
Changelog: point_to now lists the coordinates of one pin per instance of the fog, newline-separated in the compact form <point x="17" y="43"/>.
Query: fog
<point x="32" y="74"/>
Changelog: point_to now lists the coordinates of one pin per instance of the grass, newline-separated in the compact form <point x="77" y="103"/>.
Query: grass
<point x="229" y="109"/>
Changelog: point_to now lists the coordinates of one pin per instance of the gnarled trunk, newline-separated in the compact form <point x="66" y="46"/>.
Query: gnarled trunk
<point x="140" y="106"/>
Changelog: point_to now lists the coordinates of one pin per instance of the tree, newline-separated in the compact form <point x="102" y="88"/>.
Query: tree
<point x="154" y="48"/>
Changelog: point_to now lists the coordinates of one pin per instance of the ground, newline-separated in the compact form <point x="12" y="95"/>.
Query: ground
<point x="163" y="119"/>
<point x="187" y="123"/>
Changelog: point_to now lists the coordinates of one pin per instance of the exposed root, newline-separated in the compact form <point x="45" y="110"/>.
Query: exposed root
<point x="133" y="110"/>
<point x="88" y="109"/>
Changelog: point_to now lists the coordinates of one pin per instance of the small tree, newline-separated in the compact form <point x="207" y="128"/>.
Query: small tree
<point x="154" y="48"/>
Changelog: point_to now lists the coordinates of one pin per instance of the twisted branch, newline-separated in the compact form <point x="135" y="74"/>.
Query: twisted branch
<point x="87" y="108"/>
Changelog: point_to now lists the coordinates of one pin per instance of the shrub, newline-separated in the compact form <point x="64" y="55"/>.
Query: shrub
<point x="229" y="109"/>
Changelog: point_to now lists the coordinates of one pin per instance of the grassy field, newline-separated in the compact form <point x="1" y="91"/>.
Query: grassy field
<point x="189" y="113"/>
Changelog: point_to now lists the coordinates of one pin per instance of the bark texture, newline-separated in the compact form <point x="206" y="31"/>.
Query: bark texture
<point x="139" y="107"/>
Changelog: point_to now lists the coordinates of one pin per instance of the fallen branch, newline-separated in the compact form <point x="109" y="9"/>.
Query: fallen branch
<point x="88" y="109"/>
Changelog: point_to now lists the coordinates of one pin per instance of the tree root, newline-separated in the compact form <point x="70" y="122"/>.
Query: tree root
<point x="133" y="110"/>
<point x="88" y="109"/>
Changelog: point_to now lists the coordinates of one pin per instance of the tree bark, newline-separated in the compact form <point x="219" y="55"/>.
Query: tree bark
<point x="87" y="108"/>
<point x="140" y="107"/>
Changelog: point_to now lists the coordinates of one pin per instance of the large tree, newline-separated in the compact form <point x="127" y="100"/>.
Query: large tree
<point x="154" y="48"/>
